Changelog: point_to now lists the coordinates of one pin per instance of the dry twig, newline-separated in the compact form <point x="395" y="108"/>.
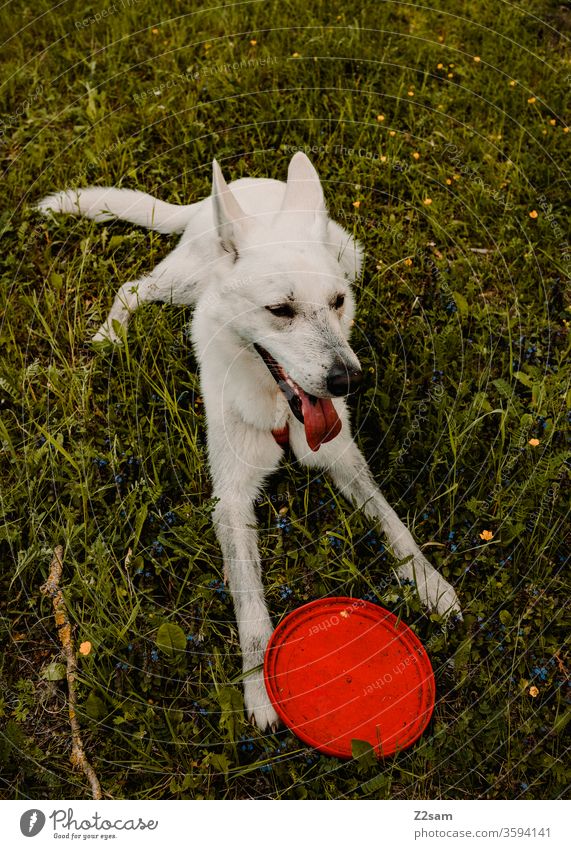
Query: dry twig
<point x="52" y="588"/>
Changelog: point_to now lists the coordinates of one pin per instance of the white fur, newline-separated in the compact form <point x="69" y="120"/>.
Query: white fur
<point x="250" y="245"/>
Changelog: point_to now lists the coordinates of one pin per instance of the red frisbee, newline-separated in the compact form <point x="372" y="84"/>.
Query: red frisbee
<point x="342" y="669"/>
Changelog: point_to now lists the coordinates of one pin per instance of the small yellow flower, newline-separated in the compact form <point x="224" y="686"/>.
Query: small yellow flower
<point x="531" y="99"/>
<point x="565" y="129"/>
<point x="486" y="535"/>
<point x="440" y="66"/>
<point x="253" y="42"/>
<point x="533" y="692"/>
<point x="552" y="121"/>
<point x="533" y="213"/>
<point x="356" y="204"/>
<point x="392" y="133"/>
<point x="408" y="261"/>
<point x="511" y="83"/>
<point x="451" y="65"/>
<point x="383" y="158"/>
<point x="155" y="31"/>
<point x="448" y="181"/>
<point x="456" y="176"/>
<point x="477" y="59"/>
<point x="295" y="55"/>
<point x="534" y="442"/>
<point x="450" y="76"/>
<point x="380" y="118"/>
<point x="427" y="201"/>
<point x="85" y="647"/>
<point x="416" y="155"/>
<point x="410" y="93"/>
<point x="441" y="38"/>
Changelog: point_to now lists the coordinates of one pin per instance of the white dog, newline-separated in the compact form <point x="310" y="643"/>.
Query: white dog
<point x="269" y="274"/>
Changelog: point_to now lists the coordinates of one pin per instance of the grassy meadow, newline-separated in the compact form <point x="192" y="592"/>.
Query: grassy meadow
<point x="439" y="135"/>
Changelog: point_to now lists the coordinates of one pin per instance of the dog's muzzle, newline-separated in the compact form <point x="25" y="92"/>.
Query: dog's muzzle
<point x="318" y="415"/>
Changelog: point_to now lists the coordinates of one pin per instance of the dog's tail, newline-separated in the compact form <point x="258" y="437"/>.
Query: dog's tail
<point x="104" y="204"/>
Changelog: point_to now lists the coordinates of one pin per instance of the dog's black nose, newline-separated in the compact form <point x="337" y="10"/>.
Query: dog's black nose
<point x="342" y="380"/>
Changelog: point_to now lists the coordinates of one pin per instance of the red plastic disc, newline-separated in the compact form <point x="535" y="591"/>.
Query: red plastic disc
<point x="342" y="669"/>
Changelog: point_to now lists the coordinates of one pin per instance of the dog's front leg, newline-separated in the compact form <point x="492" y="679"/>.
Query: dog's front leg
<point x="240" y="458"/>
<point x="238" y="540"/>
<point x="343" y="461"/>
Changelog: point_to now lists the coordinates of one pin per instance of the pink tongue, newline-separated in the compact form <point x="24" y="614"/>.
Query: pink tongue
<point x="321" y="421"/>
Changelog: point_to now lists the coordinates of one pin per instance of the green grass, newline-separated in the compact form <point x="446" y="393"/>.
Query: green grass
<point x="466" y="354"/>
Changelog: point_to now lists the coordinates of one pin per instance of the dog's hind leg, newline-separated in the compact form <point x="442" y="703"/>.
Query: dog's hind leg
<point x="130" y="296"/>
<point x="240" y="458"/>
<point x="345" y="464"/>
<point x="157" y="286"/>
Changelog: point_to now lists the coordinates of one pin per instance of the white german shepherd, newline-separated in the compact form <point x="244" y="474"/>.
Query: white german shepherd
<point x="269" y="274"/>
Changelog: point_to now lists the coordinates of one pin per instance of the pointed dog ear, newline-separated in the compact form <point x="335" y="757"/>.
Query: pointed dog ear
<point x="303" y="189"/>
<point x="229" y="217"/>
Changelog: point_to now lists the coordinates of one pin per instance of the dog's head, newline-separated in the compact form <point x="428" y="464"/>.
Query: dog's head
<point x="290" y="297"/>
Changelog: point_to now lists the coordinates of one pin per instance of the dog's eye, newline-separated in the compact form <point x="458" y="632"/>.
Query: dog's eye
<point x="282" y="310"/>
<point x="339" y="301"/>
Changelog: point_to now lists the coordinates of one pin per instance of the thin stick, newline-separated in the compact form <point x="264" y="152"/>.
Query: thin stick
<point x="52" y="588"/>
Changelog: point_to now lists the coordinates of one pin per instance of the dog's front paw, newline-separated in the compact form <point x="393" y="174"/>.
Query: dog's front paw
<point x="442" y="598"/>
<point x="107" y="335"/>
<point x="259" y="710"/>
<point x="434" y="591"/>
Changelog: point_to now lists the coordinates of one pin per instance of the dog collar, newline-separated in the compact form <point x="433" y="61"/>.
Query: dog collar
<point x="281" y="435"/>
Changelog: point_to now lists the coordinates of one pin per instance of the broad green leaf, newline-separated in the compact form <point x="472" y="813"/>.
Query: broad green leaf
<point x="171" y="639"/>
<point x="561" y="722"/>
<point x="363" y="749"/>
<point x="379" y="782"/>
<point x="523" y="378"/>
<point x="95" y="706"/>
<point x="461" y="303"/>
<point x="231" y="710"/>
<point x="220" y="763"/>
<point x="139" y="522"/>
<point x="54" y="672"/>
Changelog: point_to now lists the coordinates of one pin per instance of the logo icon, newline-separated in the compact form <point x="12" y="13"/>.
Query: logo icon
<point x="32" y="822"/>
